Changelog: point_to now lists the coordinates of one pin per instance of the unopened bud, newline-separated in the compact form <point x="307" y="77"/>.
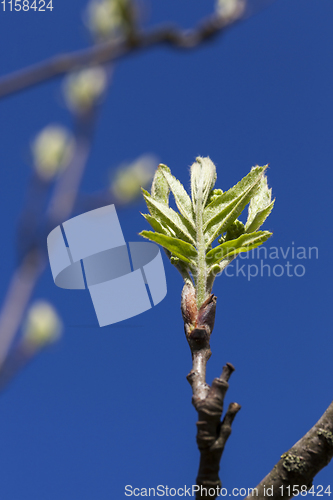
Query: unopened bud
<point x="83" y="88"/>
<point x="52" y="151"/>
<point x="217" y="192"/>
<point x="198" y="324"/>
<point x="206" y="315"/>
<point x="43" y="325"/>
<point x="214" y="195"/>
<point x="189" y="307"/>
<point x="104" y="19"/>
<point x="236" y="229"/>
<point x="129" y="178"/>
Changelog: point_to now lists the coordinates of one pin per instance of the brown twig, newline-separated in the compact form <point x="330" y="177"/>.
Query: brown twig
<point x="112" y="50"/>
<point x="212" y="434"/>
<point x="298" y="466"/>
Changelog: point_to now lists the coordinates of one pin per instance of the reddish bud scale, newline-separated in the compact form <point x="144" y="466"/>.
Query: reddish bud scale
<point x="206" y="316"/>
<point x="197" y="323"/>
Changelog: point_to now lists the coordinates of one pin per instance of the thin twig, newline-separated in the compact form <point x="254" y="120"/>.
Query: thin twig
<point x="212" y="434"/>
<point x="112" y="50"/>
<point x="19" y="292"/>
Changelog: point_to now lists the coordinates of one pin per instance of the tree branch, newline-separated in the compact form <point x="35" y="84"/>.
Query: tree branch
<point x="212" y="434"/>
<point x="299" y="465"/>
<point x="112" y="50"/>
<point x="18" y="295"/>
<point x="34" y="260"/>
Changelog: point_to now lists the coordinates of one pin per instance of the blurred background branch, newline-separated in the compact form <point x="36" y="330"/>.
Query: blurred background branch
<point x="123" y="37"/>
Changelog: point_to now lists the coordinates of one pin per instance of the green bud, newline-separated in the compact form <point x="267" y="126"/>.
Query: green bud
<point x="217" y="192"/>
<point x="129" y="178"/>
<point x="83" y="88"/>
<point x="236" y="229"/>
<point x="174" y="260"/>
<point x="52" y="150"/>
<point x="214" y="194"/>
<point x="105" y="18"/>
<point x="43" y="325"/>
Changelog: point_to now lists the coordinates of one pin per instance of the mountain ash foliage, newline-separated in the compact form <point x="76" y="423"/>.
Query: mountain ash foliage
<point x="188" y="236"/>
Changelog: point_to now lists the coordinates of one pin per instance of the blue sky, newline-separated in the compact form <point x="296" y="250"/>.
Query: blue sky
<point x="109" y="407"/>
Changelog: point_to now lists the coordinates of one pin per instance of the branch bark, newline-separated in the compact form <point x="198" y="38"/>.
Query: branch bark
<point x="212" y="434"/>
<point x="298" y="466"/>
<point x="112" y="50"/>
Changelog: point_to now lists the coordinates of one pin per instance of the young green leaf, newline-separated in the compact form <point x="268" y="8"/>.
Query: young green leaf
<point x="160" y="188"/>
<point x="224" y="210"/>
<point x="259" y="218"/>
<point x="251" y="180"/>
<point x="203" y="178"/>
<point x="159" y="228"/>
<point x="184" y="251"/>
<point x="227" y="216"/>
<point x="244" y="243"/>
<point x="260" y="207"/>
<point x="168" y="217"/>
<point x="182" y="199"/>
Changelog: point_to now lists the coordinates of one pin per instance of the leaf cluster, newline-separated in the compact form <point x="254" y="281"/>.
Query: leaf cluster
<point x="188" y="236"/>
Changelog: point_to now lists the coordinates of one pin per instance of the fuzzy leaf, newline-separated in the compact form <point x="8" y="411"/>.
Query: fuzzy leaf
<point x="160" y="188"/>
<point x="225" y="209"/>
<point x="244" y="243"/>
<point x="182" y="199"/>
<point x="154" y="213"/>
<point x="260" y="218"/>
<point x="157" y="226"/>
<point x="203" y="178"/>
<point x="222" y="201"/>
<point x="227" y="216"/>
<point x="168" y="217"/>
<point x="260" y="207"/>
<point x="184" y="251"/>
